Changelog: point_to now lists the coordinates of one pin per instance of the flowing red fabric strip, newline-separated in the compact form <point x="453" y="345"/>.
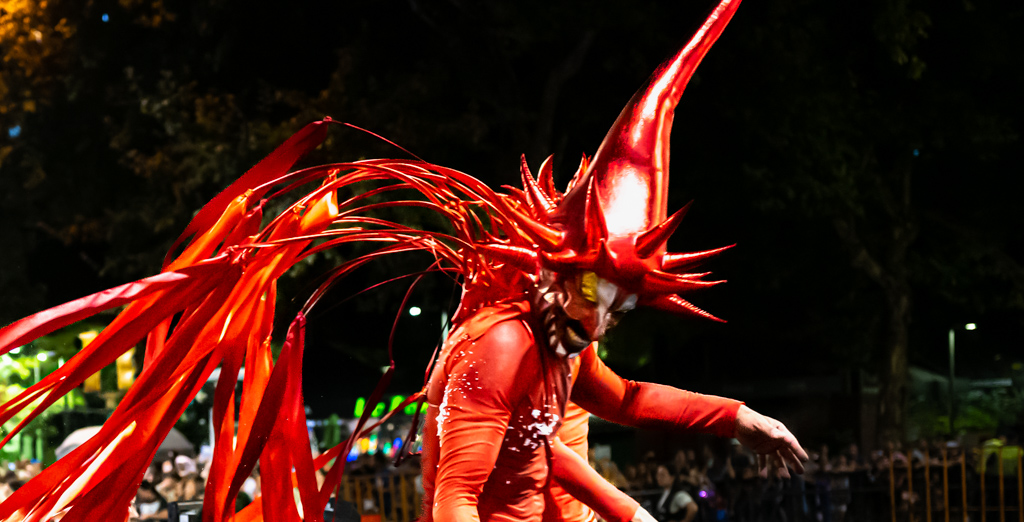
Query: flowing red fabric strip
<point x="274" y="165"/>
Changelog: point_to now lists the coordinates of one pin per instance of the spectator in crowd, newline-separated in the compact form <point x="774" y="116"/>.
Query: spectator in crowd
<point x="608" y="470"/>
<point x="150" y="504"/>
<point x="190" y="487"/>
<point x="168" y="485"/>
<point x="644" y="477"/>
<point x="740" y="468"/>
<point x="674" y="504"/>
<point x="823" y="485"/>
<point x="854" y="457"/>
<point x="185" y="465"/>
<point x="9" y="485"/>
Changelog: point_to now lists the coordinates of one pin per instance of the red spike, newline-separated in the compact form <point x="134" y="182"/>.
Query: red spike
<point x="546" y="180"/>
<point x="680" y="306"/>
<point x="568" y="260"/>
<point x="673" y="262"/>
<point x="523" y="259"/>
<point x="540" y="202"/>
<point x="648" y="243"/>
<point x="659" y="282"/>
<point x="524" y="168"/>
<point x="548" y="238"/>
<point x="580" y="172"/>
<point x="593" y="218"/>
<point x="517" y="195"/>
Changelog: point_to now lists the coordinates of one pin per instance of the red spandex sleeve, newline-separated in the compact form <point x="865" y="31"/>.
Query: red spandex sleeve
<point x="584" y="483"/>
<point x="602" y="392"/>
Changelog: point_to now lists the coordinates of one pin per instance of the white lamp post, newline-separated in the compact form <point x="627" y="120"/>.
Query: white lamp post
<point x="952" y="372"/>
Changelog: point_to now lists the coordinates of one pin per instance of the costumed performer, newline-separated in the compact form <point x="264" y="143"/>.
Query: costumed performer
<point x="499" y="392"/>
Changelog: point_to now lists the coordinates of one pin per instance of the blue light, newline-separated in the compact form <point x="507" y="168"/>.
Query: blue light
<point x="14" y="131"/>
<point x="917" y="153"/>
<point x="105" y="17"/>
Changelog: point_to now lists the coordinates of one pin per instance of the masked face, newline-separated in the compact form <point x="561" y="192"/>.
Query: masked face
<point x="582" y="308"/>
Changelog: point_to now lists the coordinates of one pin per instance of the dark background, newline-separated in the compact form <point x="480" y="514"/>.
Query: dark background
<point x="865" y="157"/>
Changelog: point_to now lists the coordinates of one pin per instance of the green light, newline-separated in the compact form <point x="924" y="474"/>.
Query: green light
<point x="395" y="401"/>
<point x="360" y="406"/>
<point x="410" y="409"/>
<point x="378" y="410"/>
<point x="423" y="409"/>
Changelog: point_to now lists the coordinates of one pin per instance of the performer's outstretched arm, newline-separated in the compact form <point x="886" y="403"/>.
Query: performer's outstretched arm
<point x="602" y="392"/>
<point x="485" y="380"/>
<point x="646" y="405"/>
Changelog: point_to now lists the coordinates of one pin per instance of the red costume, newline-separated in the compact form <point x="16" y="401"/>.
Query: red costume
<point x="543" y="274"/>
<point x="489" y="430"/>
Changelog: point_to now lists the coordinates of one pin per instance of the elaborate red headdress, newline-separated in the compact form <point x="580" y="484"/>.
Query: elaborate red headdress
<point x="219" y="293"/>
<point x="622" y="196"/>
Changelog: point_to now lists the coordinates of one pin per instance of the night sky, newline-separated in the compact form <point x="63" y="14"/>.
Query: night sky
<point x="803" y="115"/>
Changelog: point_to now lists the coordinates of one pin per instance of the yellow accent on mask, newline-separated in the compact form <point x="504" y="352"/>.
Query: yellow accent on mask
<point x="588" y="286"/>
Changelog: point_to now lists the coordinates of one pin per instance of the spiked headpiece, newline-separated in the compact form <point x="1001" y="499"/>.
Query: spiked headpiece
<point x="622" y="195"/>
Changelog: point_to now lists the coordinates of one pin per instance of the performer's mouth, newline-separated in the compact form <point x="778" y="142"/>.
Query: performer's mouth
<point x="575" y="335"/>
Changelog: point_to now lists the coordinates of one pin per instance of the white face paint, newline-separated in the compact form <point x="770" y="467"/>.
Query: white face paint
<point x="607" y="292"/>
<point x="585" y="308"/>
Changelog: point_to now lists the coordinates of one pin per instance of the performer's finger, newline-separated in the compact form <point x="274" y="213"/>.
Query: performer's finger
<point x="791" y="458"/>
<point x="799" y="451"/>
<point x="783" y="471"/>
<point x="762" y="465"/>
<point x="790" y="440"/>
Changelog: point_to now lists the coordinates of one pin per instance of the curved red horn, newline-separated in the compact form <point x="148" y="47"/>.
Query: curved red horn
<point x="680" y="306"/>
<point x="659" y="282"/>
<point x="673" y="262"/>
<point x="546" y="179"/>
<point x="538" y="199"/>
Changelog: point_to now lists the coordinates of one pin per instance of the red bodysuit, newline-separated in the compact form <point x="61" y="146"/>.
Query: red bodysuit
<point x="496" y="400"/>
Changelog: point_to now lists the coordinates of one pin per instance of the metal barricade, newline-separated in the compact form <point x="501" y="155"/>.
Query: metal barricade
<point x="391" y="498"/>
<point x="979" y="498"/>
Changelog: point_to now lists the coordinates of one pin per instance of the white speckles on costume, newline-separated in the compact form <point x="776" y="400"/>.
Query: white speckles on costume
<point x="530" y="435"/>
<point x="442" y="415"/>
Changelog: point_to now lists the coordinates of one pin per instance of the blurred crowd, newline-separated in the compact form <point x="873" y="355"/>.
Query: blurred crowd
<point x="175" y="478"/>
<point x="710" y="482"/>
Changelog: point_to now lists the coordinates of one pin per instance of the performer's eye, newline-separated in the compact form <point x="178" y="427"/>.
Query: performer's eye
<point x="588" y="286"/>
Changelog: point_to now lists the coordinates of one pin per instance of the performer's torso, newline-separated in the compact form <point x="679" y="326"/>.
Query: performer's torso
<point x="515" y="488"/>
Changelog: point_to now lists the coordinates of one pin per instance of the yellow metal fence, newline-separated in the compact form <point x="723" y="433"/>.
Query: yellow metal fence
<point x="391" y="498"/>
<point x="956" y="491"/>
<point x="947" y="488"/>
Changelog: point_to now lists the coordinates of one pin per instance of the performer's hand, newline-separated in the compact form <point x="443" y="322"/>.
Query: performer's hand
<point x="642" y="515"/>
<point x="774" y="444"/>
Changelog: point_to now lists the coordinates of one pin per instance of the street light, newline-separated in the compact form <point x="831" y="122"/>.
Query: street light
<point x="952" y="371"/>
